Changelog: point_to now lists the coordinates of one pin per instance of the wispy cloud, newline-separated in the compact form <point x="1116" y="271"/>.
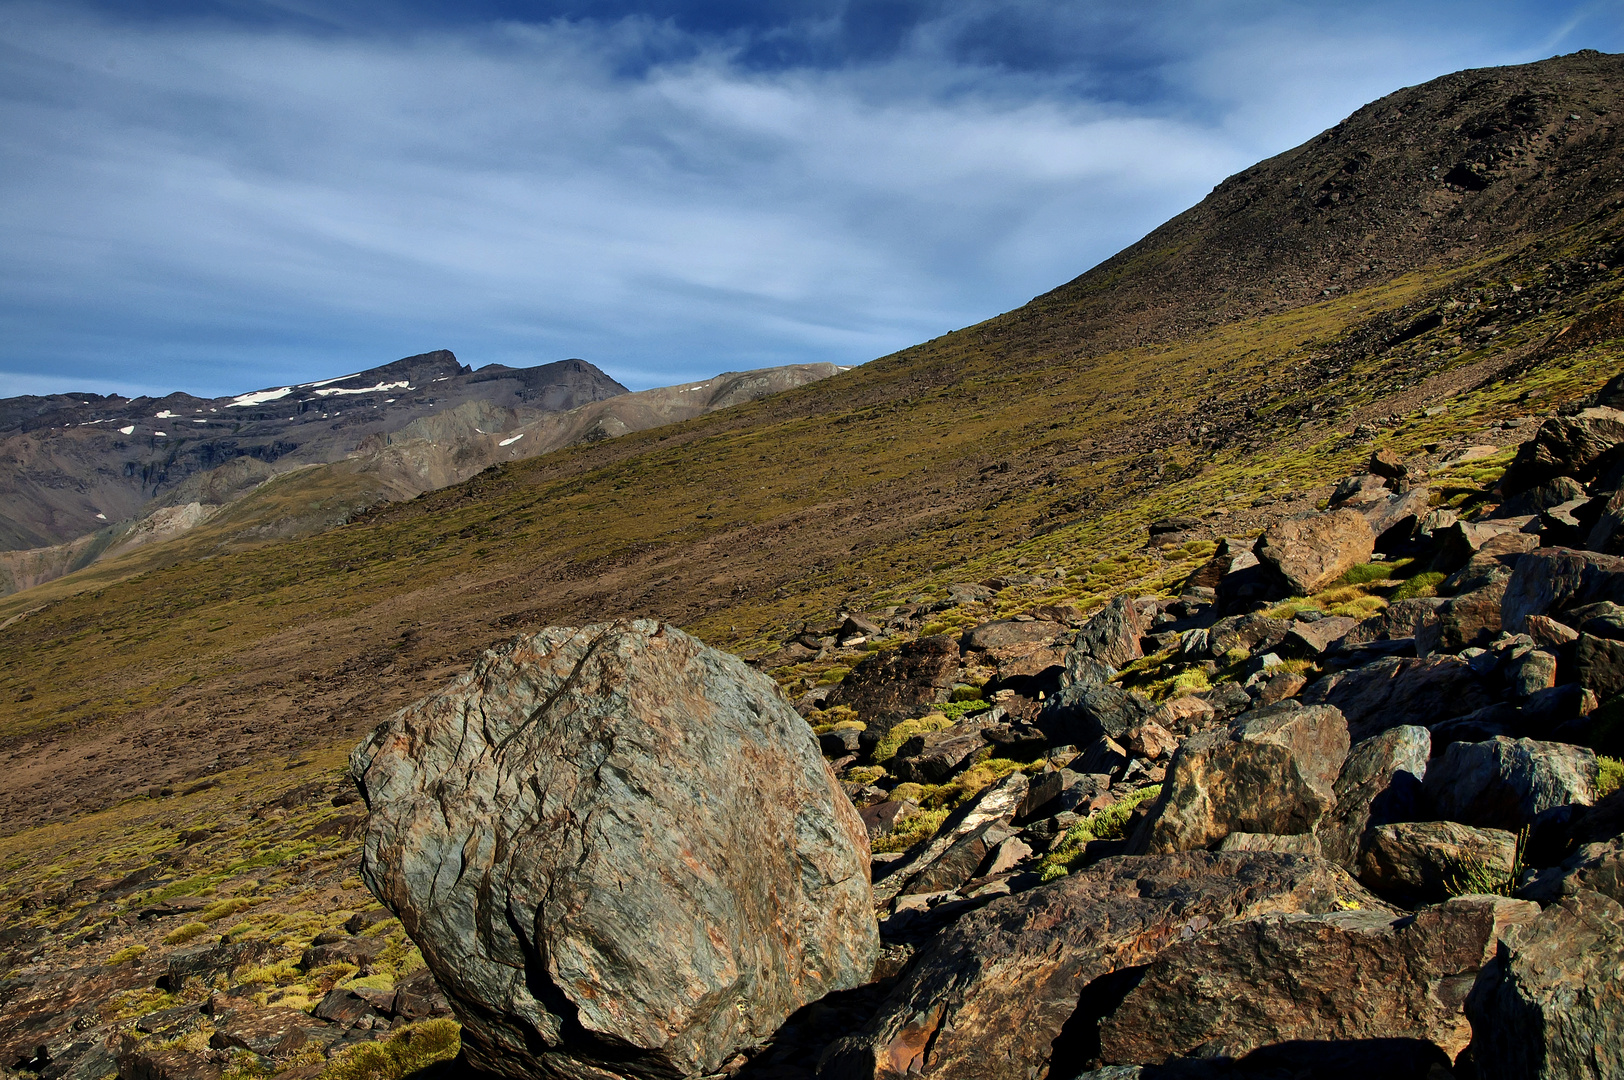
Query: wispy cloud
<point x="213" y="204"/>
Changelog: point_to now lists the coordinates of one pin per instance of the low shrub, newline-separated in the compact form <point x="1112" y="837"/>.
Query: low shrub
<point x="409" y="1050"/>
<point x="182" y="934"/>
<point x="1107" y="823"/>
<point x="1610" y="777"/>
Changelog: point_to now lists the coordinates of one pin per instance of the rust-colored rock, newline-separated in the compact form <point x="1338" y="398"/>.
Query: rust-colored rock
<point x="1310" y="553"/>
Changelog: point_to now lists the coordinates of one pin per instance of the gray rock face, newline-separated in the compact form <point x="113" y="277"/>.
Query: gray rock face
<point x="619" y="851"/>
<point x="1551" y="1003"/>
<point x="1503" y="783"/>
<point x="1549" y="581"/>
<point x="1346" y="975"/>
<point x="1273" y="775"/>
<point x="1112" y="635"/>
<point x="886" y="686"/>
<point x="988" y="998"/>
<point x="1380" y="783"/>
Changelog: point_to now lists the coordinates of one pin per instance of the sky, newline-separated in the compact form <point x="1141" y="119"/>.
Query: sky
<point x="221" y="196"/>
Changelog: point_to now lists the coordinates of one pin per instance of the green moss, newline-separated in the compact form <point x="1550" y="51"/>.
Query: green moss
<point x="188" y="932"/>
<point x="1423" y="584"/>
<point x="1108" y="823"/>
<point x="407" y="1051"/>
<point x="1610" y="776"/>
<point x="126" y="955"/>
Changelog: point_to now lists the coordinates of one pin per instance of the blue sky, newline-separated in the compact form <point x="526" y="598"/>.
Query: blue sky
<point x="221" y="196"/>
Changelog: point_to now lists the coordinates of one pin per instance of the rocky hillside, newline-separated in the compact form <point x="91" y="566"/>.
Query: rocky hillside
<point x="1222" y="675"/>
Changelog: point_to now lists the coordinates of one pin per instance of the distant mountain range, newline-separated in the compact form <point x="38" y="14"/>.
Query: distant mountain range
<point x="83" y="476"/>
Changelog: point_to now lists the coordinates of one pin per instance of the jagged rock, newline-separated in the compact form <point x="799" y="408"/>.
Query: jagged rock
<point x="539" y="829"/>
<point x="1471" y="619"/>
<point x="1006" y="632"/>
<point x="1600" y="663"/>
<point x="840" y="742"/>
<point x="1226" y="699"/>
<point x="1252" y="632"/>
<point x="1316" y="638"/>
<point x="207" y="961"/>
<point x="1608" y="530"/>
<point x="882" y="817"/>
<point x="1529" y="672"/>
<point x="1550" y="581"/>
<point x="1112" y="635"/>
<point x="1491" y="565"/>
<point x="989" y="997"/>
<point x="889" y="685"/>
<point x="1360" y="489"/>
<point x="1301" y="844"/>
<point x="1279" y="687"/>
<point x="960" y="862"/>
<point x="419" y="997"/>
<point x="1551" y="1005"/>
<point x="1504" y="783"/>
<point x="1400" y="690"/>
<point x="1273" y="774"/>
<point x="1385" y="463"/>
<point x="1184" y="715"/>
<point x="166" y="1065"/>
<point x="995" y="805"/>
<point x="1431" y="860"/>
<point x="1549" y="633"/>
<point x="1053" y="791"/>
<point x="1598" y="866"/>
<point x="1380" y="782"/>
<point x="933" y="756"/>
<point x="1576" y="446"/>
<point x="1346" y="976"/>
<point x="1149" y="740"/>
<point x="1103" y="757"/>
<point x="346" y="950"/>
<point x="1541" y="497"/>
<point x="1312" y="552"/>
<point x="344" y="1006"/>
<point x="1394" y="520"/>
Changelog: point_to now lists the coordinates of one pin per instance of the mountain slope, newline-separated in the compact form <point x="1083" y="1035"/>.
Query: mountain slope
<point x="74" y="463"/>
<point x="1175" y="378"/>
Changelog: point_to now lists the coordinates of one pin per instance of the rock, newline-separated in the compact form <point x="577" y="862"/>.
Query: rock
<point x="1380" y="783"/>
<point x="1492" y="565"/>
<point x="269" y="1031"/>
<point x="1311" y="553"/>
<point x="1541" y="497"/>
<point x="995" y="805"/>
<point x="1360" y="489"/>
<point x="1081" y="714"/>
<point x="1346" y="976"/>
<point x="1387" y="464"/>
<point x="960" y="862"/>
<point x="1053" y="791"/>
<point x="1605" y="535"/>
<point x="1103" y="757"/>
<point x="1430" y="860"/>
<point x="1504" y="783"/>
<point x="1301" y="844"/>
<point x="933" y="756"/>
<point x="1550" y="581"/>
<point x="1226" y="699"/>
<point x="1403" y="619"/>
<point x="1597" y="866"/>
<point x="1149" y="740"/>
<point x="1316" y="638"/>
<point x="207" y="961"/>
<point x="1551" y="1005"/>
<point x="989" y="998"/>
<point x="1279" y="687"/>
<point x="889" y="685"/>
<point x="1400" y="691"/>
<point x="969" y="593"/>
<point x="1112" y="635"/>
<point x="1394" y="521"/>
<point x="618" y="850"/>
<point x="1253" y="632"/>
<point x="1600" y="663"/>
<point x="840" y="742"/>
<point x="166" y="1065"/>
<point x="1575" y="446"/>
<point x="1549" y="633"/>
<point x="344" y="1006"/>
<point x="1472" y="619"/>
<point x="1005" y="856"/>
<point x="1273" y="774"/>
<point x="1183" y="715"/>
<point x="882" y="817"/>
<point x="1006" y="632"/>
<point x="348" y="950"/>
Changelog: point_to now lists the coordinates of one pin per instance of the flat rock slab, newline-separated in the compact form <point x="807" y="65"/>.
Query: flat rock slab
<point x="619" y="850"/>
<point x="987" y="999"/>
<point x="1348" y="975"/>
<point x="1504" y="783"/>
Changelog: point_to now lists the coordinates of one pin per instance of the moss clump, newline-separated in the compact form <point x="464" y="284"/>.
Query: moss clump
<point x="1108" y="823"/>
<point x="182" y="934"/>
<point x="1365" y="573"/>
<point x="124" y="956"/>
<point x="916" y="827"/>
<point x="1610" y="776"/>
<point x="892" y="740"/>
<point x="1425" y="584"/>
<point x="409" y="1050"/>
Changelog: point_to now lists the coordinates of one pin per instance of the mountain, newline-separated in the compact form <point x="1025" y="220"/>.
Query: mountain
<point x="180" y="724"/>
<point x="75" y="462"/>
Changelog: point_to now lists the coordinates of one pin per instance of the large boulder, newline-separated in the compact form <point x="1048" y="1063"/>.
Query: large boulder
<point x="1401" y="690"/>
<point x="1550" y="1006"/>
<point x="1003" y="633"/>
<point x="1504" y="783"/>
<point x="1549" y="581"/>
<point x="619" y="851"/>
<point x="1430" y="860"/>
<point x="1079" y="714"/>
<point x="1468" y="620"/>
<point x="990" y="997"/>
<point x="1274" y="774"/>
<point x="893" y="683"/>
<point x="1348" y="975"/>
<point x="1112" y="635"/>
<point x="1309" y="553"/>
<point x="1575" y="446"/>
<point x="1380" y="783"/>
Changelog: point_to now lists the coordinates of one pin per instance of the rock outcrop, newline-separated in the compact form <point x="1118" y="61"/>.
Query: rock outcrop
<point x="619" y="851"/>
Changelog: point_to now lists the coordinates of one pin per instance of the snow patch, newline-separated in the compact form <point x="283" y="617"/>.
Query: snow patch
<point x="163" y="434"/>
<point x="127" y="430"/>
<point x="366" y="389"/>
<point x="101" y="517"/>
<point x="199" y="421"/>
<point x="328" y="382"/>
<point x="688" y="389"/>
<point x="510" y="442"/>
<point x="166" y="415"/>
<point x="258" y="397"/>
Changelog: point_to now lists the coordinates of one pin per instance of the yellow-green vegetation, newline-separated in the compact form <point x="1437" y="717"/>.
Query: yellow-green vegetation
<point x="407" y="1051"/>
<point x="1610" y="776"/>
<point x="1108" y="823"/>
<point x="1469" y="876"/>
<point x="186" y="932"/>
<point x="916" y="827"/>
<point x="1423" y="584"/>
<point x="126" y="954"/>
<point x="892" y="741"/>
